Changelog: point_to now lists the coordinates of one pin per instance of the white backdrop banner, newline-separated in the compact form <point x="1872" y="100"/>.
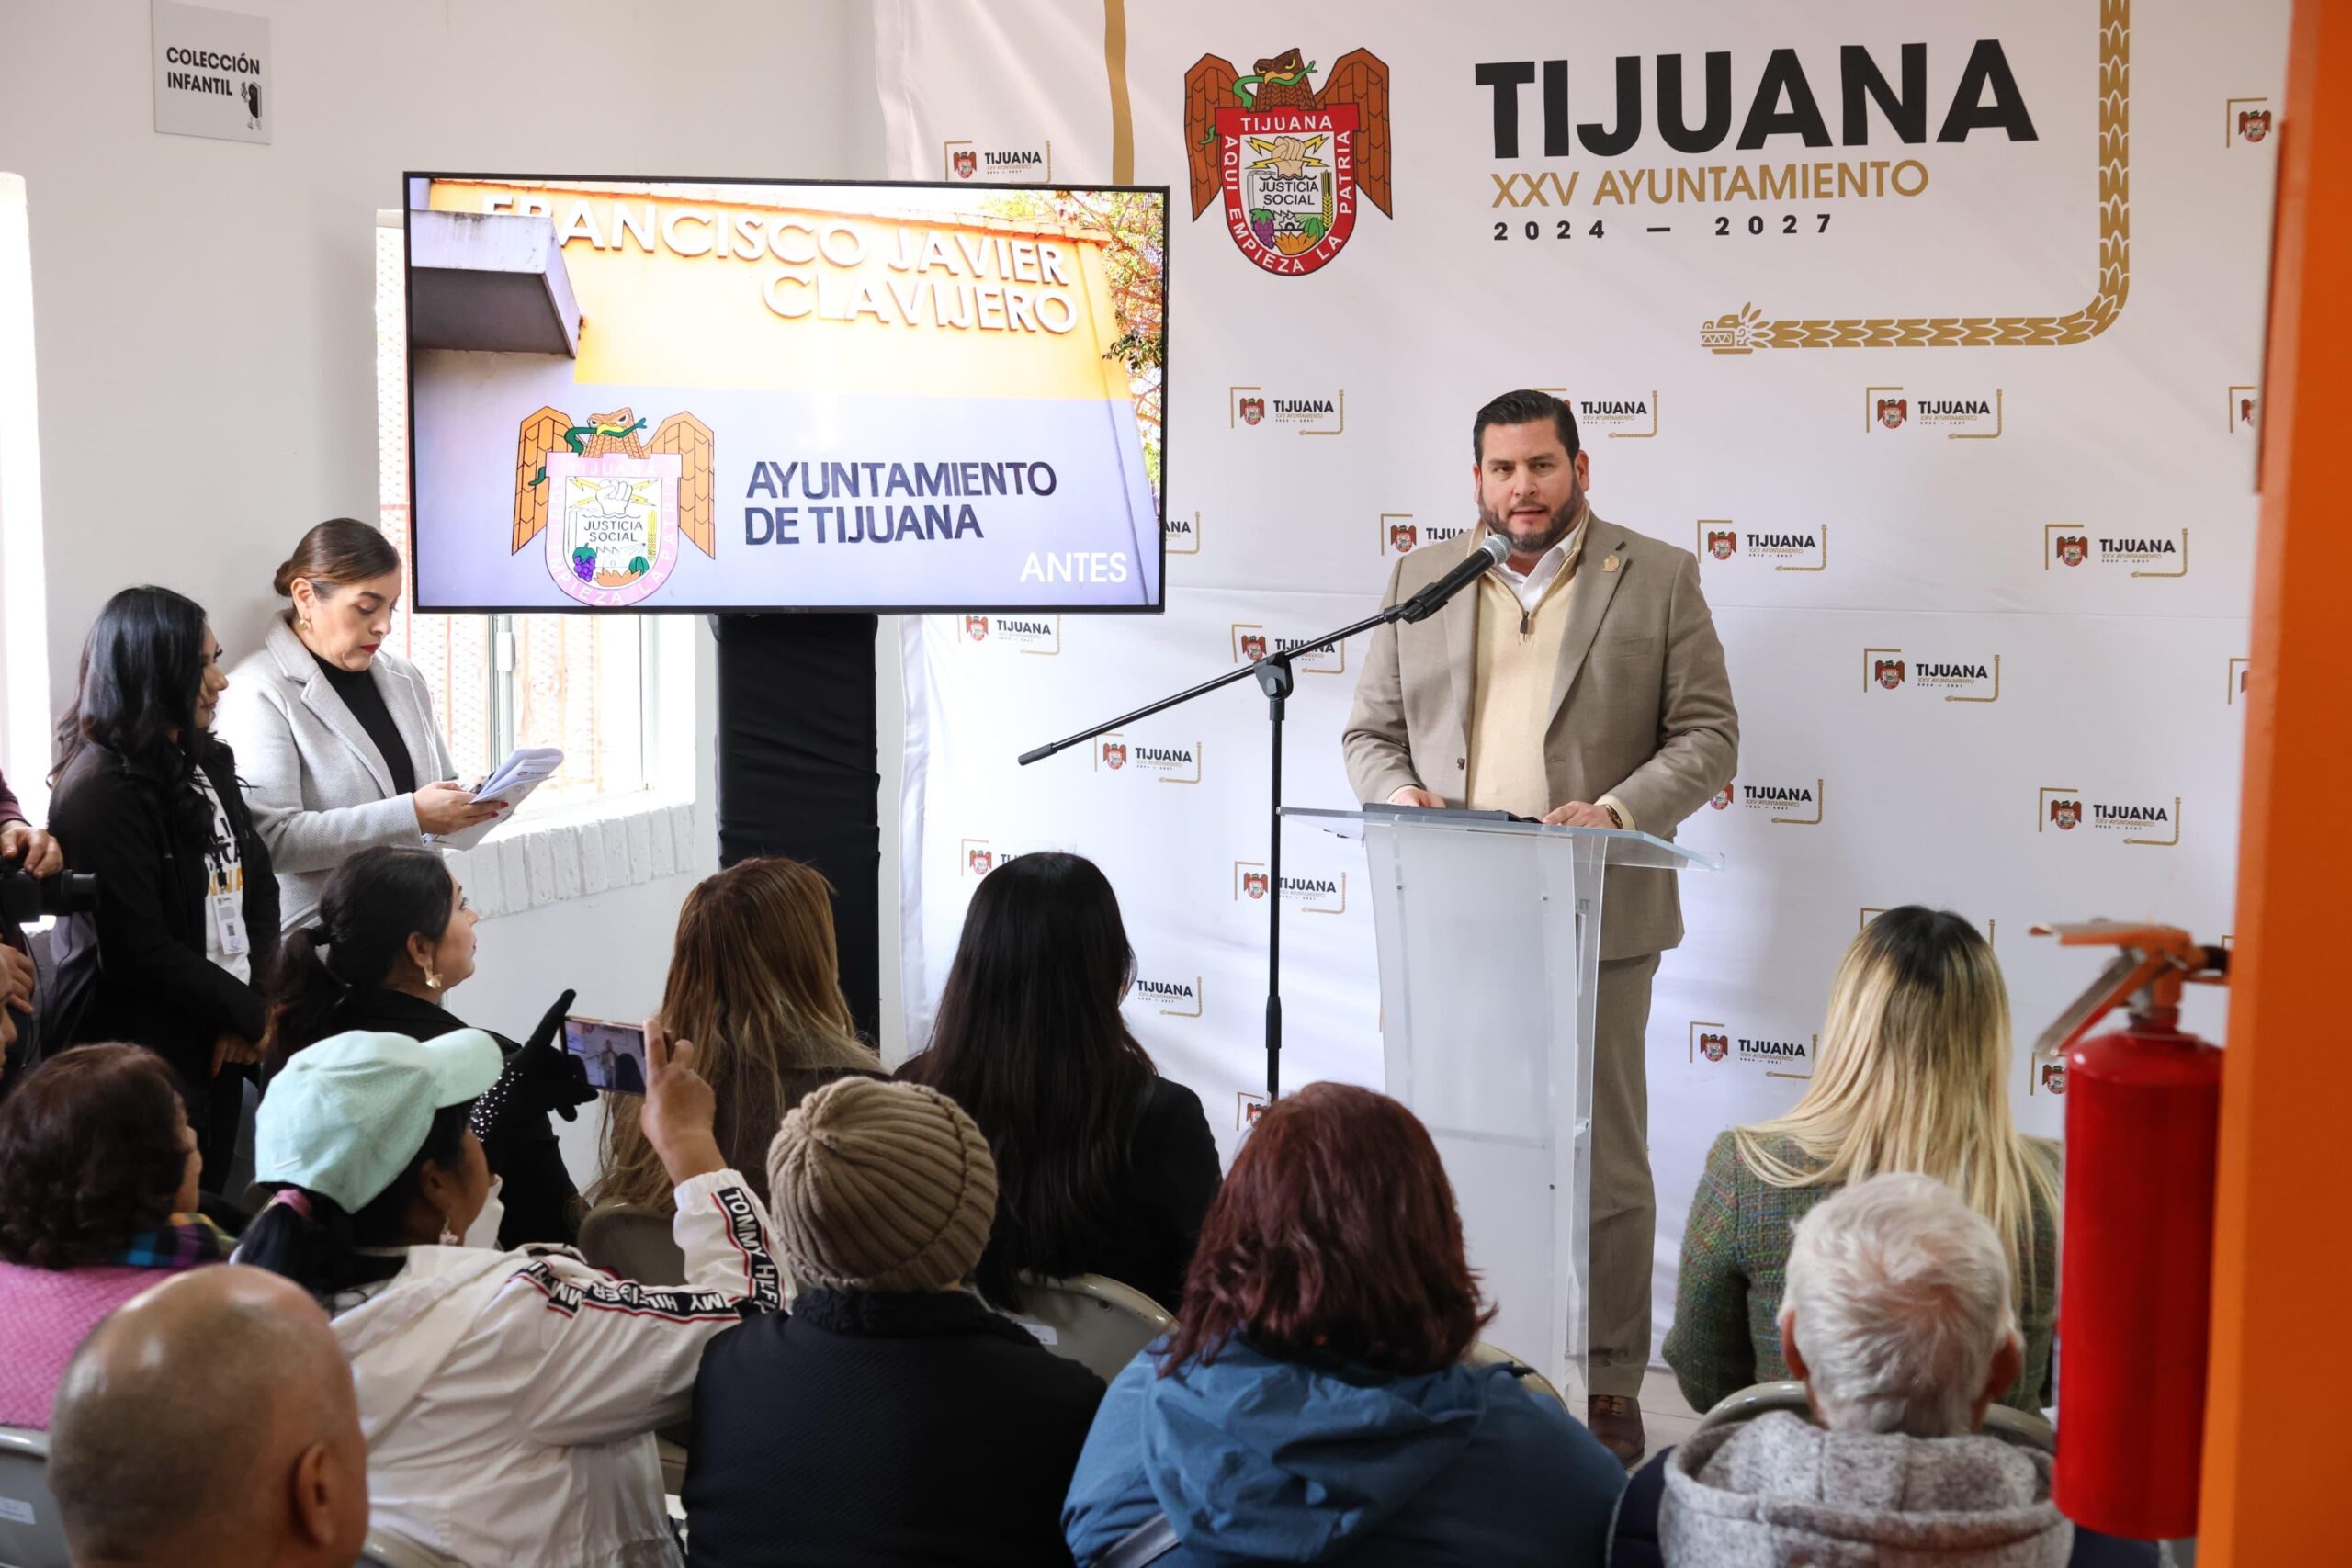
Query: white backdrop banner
<point x="1980" y="555"/>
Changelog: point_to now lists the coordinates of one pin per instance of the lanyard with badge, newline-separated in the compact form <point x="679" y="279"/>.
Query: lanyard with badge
<point x="225" y="909"/>
<point x="229" y="923"/>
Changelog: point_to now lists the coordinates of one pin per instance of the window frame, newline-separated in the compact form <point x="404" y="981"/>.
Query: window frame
<point x="666" y="651"/>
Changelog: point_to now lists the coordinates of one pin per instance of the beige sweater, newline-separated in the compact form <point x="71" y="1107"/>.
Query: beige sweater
<point x="1510" y="695"/>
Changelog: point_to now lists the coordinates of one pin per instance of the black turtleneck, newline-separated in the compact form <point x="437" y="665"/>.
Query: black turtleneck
<point x="357" y="689"/>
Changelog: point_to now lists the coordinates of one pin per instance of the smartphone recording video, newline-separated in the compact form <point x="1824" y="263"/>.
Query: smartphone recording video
<point x="614" y="1053"/>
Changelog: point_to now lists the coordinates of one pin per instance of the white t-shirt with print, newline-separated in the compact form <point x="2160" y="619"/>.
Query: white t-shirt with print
<point x="224" y="892"/>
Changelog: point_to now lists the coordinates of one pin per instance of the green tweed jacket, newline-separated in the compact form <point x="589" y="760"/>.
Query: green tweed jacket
<point x="1727" y="1332"/>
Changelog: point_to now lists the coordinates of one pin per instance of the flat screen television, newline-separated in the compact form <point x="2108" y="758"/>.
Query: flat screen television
<point x="735" y="395"/>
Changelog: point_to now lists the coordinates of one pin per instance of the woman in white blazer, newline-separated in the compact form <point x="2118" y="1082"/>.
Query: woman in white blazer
<point x="334" y="737"/>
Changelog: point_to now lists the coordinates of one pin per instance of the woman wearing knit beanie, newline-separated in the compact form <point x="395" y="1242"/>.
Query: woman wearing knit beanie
<point x="891" y="1416"/>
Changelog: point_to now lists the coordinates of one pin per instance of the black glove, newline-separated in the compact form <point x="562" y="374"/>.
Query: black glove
<point x="540" y="1078"/>
<point x="558" y="1079"/>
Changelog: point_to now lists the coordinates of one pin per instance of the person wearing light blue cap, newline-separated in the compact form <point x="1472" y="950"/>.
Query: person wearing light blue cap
<point x="509" y="1399"/>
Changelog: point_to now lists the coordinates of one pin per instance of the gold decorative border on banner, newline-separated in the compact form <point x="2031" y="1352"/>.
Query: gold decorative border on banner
<point x="1747" y="329"/>
<point x="1122" y="113"/>
<point x="2050" y="535"/>
<point x="2184" y="561"/>
<point x="1820" y="804"/>
<point x="1340" y="428"/>
<point x="1869" y="680"/>
<point x="1956" y="697"/>
<point x="1825" y="556"/>
<point x="1992" y="435"/>
<point x="1199" y="1002"/>
<point x="2173" y="842"/>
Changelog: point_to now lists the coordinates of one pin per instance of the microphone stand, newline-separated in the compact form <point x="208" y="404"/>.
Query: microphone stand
<point x="1276" y="678"/>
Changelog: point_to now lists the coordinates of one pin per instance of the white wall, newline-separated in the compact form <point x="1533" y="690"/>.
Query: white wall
<point x="203" y="310"/>
<point x="24" y="651"/>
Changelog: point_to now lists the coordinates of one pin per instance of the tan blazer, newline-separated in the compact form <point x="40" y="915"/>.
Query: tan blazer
<point x="1641" y="706"/>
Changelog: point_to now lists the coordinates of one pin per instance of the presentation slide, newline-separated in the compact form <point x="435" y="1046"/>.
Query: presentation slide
<point x="717" y="395"/>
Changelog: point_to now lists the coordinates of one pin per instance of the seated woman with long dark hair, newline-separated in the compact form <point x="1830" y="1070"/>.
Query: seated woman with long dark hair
<point x="1312" y="1404"/>
<point x="187" y="917"/>
<point x="97" y="1201"/>
<point x="394" y="937"/>
<point x="1102" y="1166"/>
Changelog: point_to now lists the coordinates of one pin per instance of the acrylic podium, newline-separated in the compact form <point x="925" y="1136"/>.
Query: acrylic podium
<point x="1489" y="940"/>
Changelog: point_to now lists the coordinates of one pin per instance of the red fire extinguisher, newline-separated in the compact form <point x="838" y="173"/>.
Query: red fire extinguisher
<point x="2143" y="1129"/>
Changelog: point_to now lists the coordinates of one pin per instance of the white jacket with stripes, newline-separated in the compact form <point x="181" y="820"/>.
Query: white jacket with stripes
<point x="510" y="1398"/>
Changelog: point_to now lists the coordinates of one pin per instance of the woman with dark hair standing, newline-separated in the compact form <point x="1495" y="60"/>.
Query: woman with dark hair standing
<point x="394" y="936"/>
<point x="186" y="922"/>
<point x="340" y="746"/>
<point x="1102" y="1166"/>
<point x="97" y="1201"/>
<point x="1312" y="1404"/>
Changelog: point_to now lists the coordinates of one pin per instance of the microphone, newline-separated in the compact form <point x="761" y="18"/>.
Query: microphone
<point x="1425" y="603"/>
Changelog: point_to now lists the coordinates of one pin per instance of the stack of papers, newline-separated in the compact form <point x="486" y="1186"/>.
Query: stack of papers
<point x="512" y="782"/>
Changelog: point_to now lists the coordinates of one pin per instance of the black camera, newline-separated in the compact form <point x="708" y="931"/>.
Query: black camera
<point x="25" y="897"/>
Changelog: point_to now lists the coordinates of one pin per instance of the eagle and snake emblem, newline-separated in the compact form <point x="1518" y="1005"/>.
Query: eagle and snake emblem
<point x="1290" y="161"/>
<point x="612" y="501"/>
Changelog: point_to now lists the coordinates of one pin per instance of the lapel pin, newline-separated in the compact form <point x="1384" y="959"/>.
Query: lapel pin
<point x="1608" y="565"/>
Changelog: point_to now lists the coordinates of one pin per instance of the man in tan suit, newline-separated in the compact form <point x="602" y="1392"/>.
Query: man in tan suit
<point x="1580" y="681"/>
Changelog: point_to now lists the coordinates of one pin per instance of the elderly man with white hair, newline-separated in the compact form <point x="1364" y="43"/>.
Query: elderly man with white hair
<point x="1899" y="1317"/>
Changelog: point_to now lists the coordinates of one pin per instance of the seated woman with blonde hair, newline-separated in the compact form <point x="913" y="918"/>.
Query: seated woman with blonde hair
<point x="756" y="983"/>
<point x="1913" y="1075"/>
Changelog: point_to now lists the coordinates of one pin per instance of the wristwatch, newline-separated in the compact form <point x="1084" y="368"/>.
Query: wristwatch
<point x="1615" y="815"/>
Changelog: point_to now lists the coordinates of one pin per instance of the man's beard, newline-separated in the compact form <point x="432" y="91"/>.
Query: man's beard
<point x="1564" y="520"/>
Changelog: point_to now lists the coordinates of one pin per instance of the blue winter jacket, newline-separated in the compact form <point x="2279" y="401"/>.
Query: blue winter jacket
<point x="1256" y="1460"/>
